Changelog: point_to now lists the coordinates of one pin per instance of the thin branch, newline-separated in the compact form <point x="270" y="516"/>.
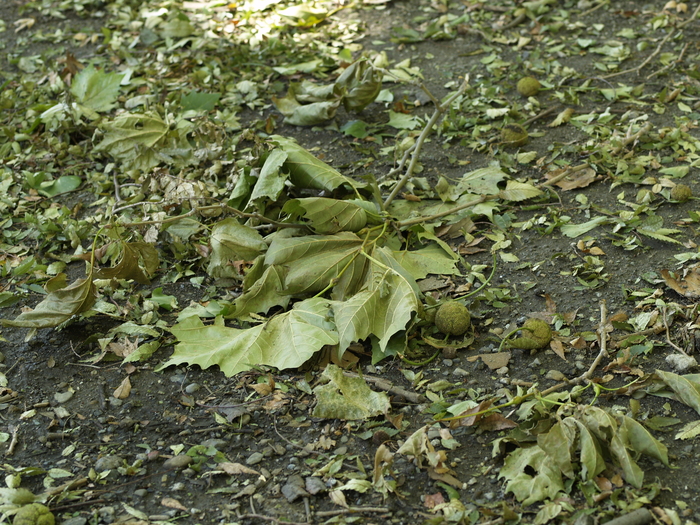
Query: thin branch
<point x="668" y="333"/>
<point x="388" y="386"/>
<point x="602" y="341"/>
<point x="439" y="110"/>
<point x="461" y="207"/>
<point x="351" y="510"/>
<point x="658" y="48"/>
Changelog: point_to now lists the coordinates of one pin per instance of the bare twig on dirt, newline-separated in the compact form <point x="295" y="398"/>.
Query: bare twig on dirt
<point x="351" y="510"/>
<point x="440" y="109"/>
<point x="668" y="333"/>
<point x="669" y="66"/>
<point x="201" y="209"/>
<point x="595" y="8"/>
<point x="631" y="138"/>
<point x="671" y="33"/>
<point x="564" y="174"/>
<point x="602" y="342"/>
<point x="420" y="220"/>
<point x="15" y="438"/>
<point x="388" y="386"/>
<point x="540" y="115"/>
<point x="271" y="519"/>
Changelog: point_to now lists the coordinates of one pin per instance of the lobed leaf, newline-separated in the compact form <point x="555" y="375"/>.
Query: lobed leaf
<point x="232" y="241"/>
<point x="285" y="341"/>
<point x="382" y="310"/>
<point x="59" y="306"/>
<point x="531" y="475"/>
<point x="306" y="171"/>
<point x="312" y="260"/>
<point x="95" y="89"/>
<point x="348" y="398"/>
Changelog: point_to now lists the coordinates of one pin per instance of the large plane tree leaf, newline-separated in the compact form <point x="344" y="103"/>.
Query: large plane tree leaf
<point x="232" y="241"/>
<point x="312" y="260"/>
<point x="59" y="306"/>
<point x="483" y="181"/>
<point x="519" y="191"/>
<point x="531" y="475"/>
<point x="348" y="398"/>
<point x="431" y="259"/>
<point x="359" y="85"/>
<point x="332" y="215"/>
<point x="285" y="341"/>
<point x="142" y="141"/>
<point x="95" y="89"/>
<point x="685" y="388"/>
<point x="306" y="171"/>
<point x="382" y="310"/>
<point x="271" y="180"/>
<point x="128" y="266"/>
<point x="267" y="291"/>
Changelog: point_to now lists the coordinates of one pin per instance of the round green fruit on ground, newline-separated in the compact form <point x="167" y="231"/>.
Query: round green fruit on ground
<point x="536" y="334"/>
<point x="33" y="514"/>
<point x="528" y="86"/>
<point x="681" y="193"/>
<point x="453" y="318"/>
<point x="513" y="135"/>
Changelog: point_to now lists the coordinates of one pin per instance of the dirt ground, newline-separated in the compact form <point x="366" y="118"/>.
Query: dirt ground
<point x="156" y="455"/>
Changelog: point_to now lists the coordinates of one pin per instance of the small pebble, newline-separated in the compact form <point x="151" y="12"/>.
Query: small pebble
<point x="214" y="443"/>
<point x="109" y="462"/>
<point x="460" y="372"/>
<point x="254" y="458"/>
<point x="63" y="397"/>
<point x="192" y="388"/>
<point x="555" y="375"/>
<point x="178" y="462"/>
<point x="78" y="520"/>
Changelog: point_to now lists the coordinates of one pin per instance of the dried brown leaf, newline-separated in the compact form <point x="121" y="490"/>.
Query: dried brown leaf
<point x="172" y="503"/>
<point x="688" y="286"/>
<point x="123" y="390"/>
<point x="234" y="469"/>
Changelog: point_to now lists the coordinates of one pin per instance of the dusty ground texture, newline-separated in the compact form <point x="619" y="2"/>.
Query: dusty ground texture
<point x="188" y="445"/>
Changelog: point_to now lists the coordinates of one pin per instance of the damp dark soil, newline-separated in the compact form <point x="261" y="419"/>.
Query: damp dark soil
<point x="153" y="454"/>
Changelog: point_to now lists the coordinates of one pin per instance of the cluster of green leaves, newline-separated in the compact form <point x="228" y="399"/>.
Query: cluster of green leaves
<point x="559" y="439"/>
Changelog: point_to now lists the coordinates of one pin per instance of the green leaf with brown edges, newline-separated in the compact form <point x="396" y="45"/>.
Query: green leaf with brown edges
<point x="232" y="241"/>
<point x="312" y="260"/>
<point x="285" y="341"/>
<point x="306" y="171"/>
<point x="59" y="306"/>
<point x="347" y="398"/>
<point x="531" y="475"/>
<point x="128" y="266"/>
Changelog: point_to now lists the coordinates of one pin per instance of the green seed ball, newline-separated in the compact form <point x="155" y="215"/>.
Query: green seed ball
<point x="528" y="86"/>
<point x="452" y="318"/>
<point x="536" y="334"/>
<point x="34" y="514"/>
<point x="681" y="193"/>
<point x="513" y="135"/>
